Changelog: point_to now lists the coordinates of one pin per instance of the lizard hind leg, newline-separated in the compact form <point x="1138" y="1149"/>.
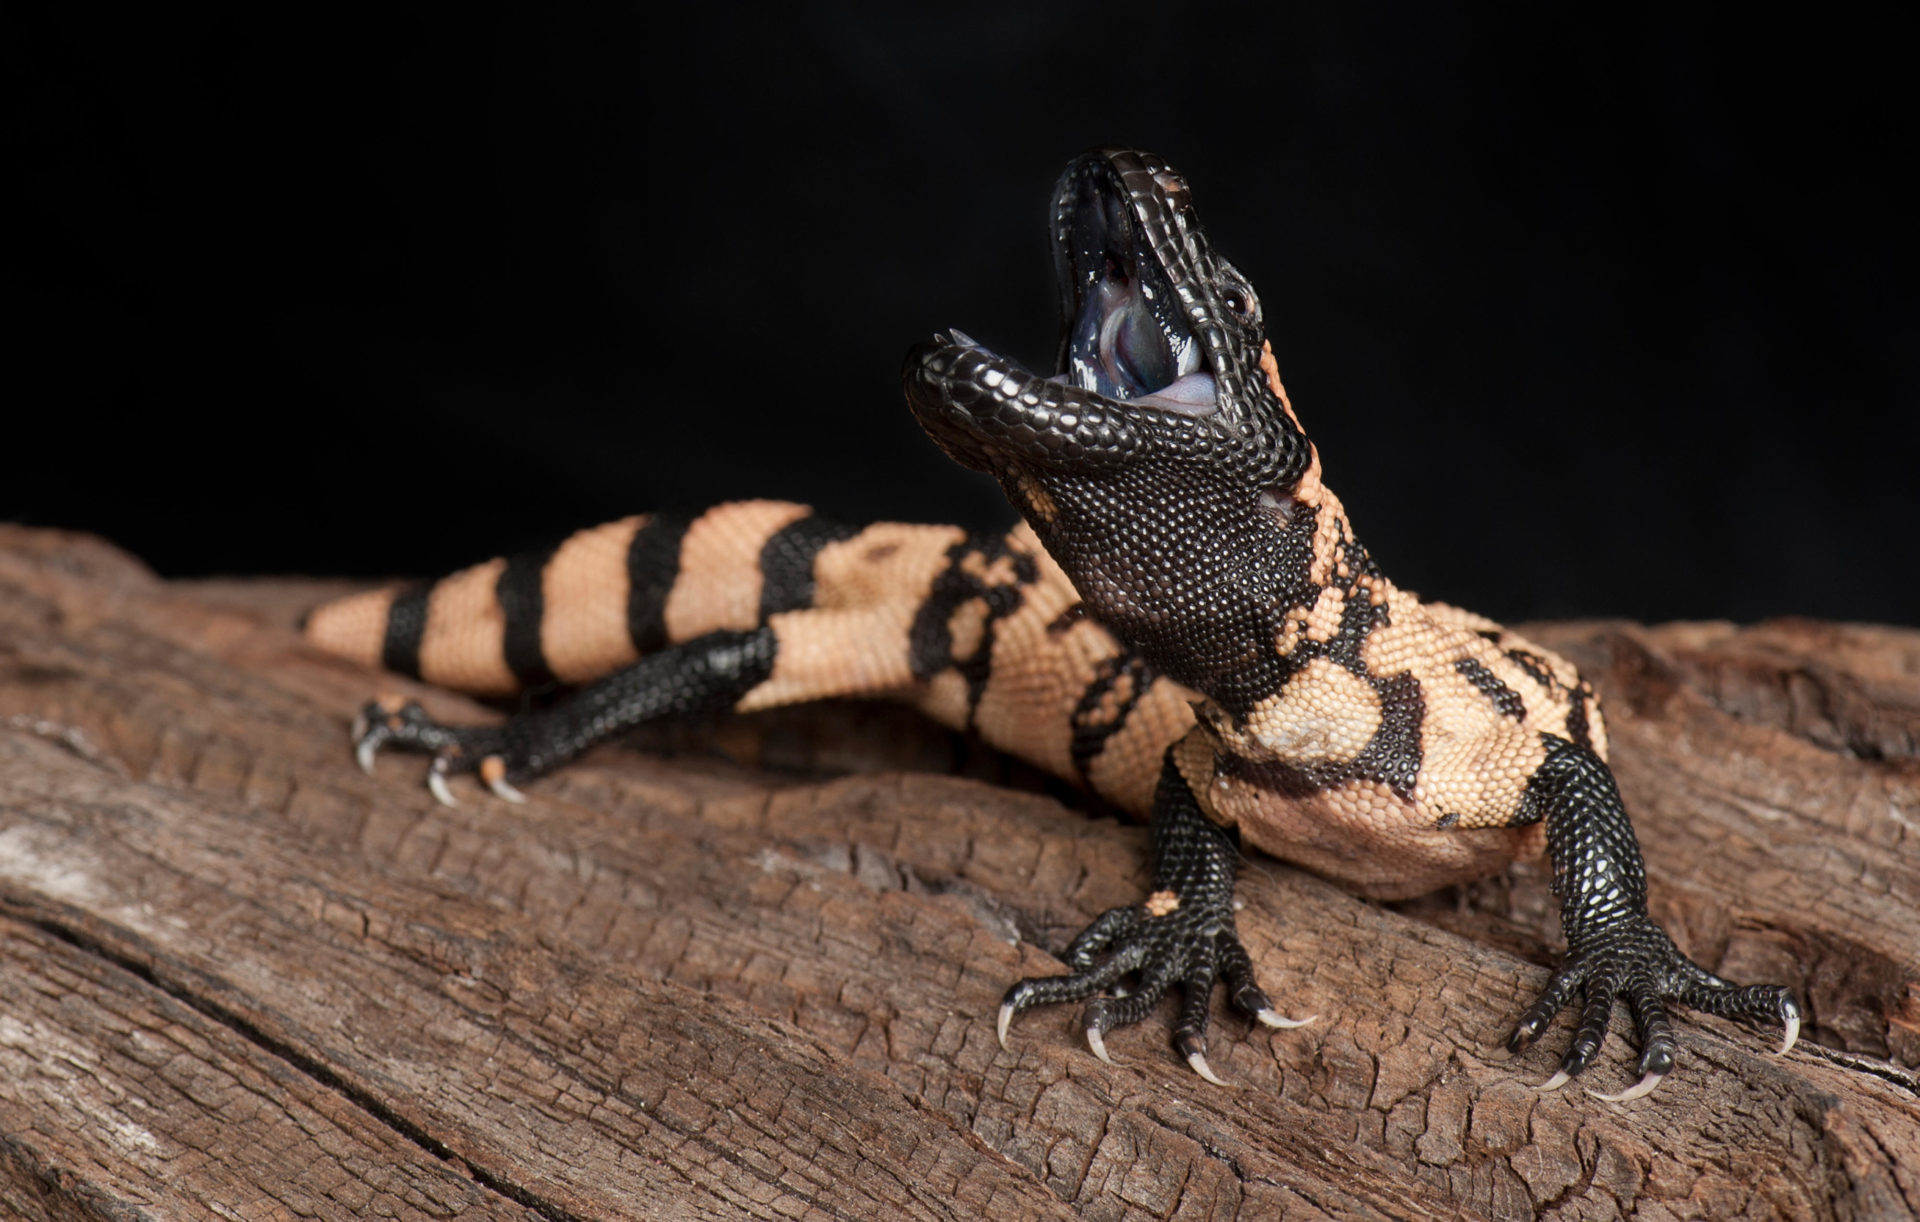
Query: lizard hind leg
<point x="705" y="675"/>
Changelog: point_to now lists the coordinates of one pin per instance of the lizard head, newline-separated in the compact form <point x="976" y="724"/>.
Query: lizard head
<point x="1157" y="464"/>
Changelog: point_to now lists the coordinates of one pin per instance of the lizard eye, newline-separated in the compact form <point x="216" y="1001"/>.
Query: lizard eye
<point x="1239" y="299"/>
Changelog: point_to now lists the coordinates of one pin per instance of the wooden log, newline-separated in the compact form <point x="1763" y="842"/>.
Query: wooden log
<point x="241" y="976"/>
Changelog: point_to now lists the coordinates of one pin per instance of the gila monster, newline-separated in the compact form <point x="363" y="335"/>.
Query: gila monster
<point x="1184" y="624"/>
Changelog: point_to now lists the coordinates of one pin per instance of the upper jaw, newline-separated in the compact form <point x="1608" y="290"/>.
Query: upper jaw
<point x="1128" y="254"/>
<point x="1126" y="280"/>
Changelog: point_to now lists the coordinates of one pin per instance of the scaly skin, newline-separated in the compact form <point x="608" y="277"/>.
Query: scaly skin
<point x="1187" y="625"/>
<point x="1394" y="744"/>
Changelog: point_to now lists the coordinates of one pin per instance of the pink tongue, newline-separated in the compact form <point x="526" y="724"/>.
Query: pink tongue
<point x="1193" y="395"/>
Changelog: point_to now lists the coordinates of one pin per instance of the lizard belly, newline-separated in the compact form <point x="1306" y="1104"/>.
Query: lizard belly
<point x="1364" y="836"/>
<point x="1302" y="779"/>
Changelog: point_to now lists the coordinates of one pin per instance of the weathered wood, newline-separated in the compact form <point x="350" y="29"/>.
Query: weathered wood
<point x="237" y="971"/>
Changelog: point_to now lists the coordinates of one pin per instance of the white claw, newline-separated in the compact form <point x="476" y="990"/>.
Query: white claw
<point x="1279" y="1021"/>
<point x="1098" y="1043"/>
<point x="1643" y="1087"/>
<point x="1198" y="1061"/>
<point x="1006" y="1020"/>
<point x="437" y="782"/>
<point x="1792" y="1035"/>
<point x="363" y="754"/>
<point x="505" y="791"/>
<point x="359" y="730"/>
<point x="1557" y="1081"/>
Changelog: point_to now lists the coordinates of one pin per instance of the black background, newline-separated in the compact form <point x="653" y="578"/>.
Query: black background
<point x="1587" y="318"/>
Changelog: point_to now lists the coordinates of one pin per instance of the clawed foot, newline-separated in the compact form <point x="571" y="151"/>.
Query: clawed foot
<point x="390" y="721"/>
<point x="1634" y="961"/>
<point x="1161" y="943"/>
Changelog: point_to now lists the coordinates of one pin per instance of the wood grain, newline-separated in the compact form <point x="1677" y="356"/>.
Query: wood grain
<point x="240" y="978"/>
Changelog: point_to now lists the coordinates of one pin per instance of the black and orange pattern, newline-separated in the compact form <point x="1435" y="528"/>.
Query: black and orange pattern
<point x="982" y="633"/>
<point x="1186" y="624"/>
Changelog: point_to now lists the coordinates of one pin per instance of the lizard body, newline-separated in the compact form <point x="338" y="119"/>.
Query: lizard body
<point x="980" y="632"/>
<point x="1185" y="624"/>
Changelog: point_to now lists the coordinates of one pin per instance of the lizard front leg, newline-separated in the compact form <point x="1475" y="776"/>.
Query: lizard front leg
<point x="1615" y="952"/>
<point x="1182" y="934"/>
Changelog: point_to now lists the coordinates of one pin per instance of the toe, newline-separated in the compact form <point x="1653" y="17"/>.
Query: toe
<point x="1655" y="1031"/>
<point x="1592" y="1031"/>
<point x="1540" y="1015"/>
<point x="1107" y="928"/>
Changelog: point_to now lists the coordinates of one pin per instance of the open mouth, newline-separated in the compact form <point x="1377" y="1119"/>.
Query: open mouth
<point x="1127" y="333"/>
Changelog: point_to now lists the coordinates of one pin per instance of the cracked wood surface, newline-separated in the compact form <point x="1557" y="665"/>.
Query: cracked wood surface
<point x="242" y="979"/>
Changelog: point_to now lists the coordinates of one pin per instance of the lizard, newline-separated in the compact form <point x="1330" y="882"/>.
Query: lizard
<point x="1184" y="623"/>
